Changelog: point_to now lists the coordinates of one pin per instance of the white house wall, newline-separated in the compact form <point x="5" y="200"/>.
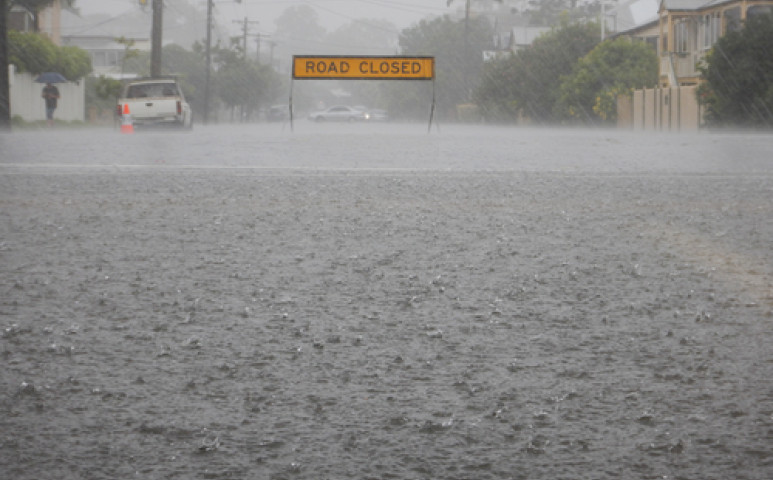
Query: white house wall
<point x="26" y="100"/>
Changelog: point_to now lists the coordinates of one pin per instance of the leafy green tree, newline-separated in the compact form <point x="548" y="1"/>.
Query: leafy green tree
<point x="35" y="53"/>
<point x="128" y="51"/>
<point x="241" y="82"/>
<point x="589" y="94"/>
<point x="528" y="82"/>
<point x="30" y="52"/>
<point x="189" y="66"/>
<point x="72" y="62"/>
<point x="458" y="64"/>
<point x="738" y="75"/>
<point x="298" y="30"/>
<point x="244" y="85"/>
<point x="101" y="94"/>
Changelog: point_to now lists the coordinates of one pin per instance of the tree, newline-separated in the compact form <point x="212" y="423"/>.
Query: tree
<point x="35" y="53"/>
<point x="34" y="7"/>
<point x="101" y="94"/>
<point x="612" y="68"/>
<point x="528" y="82"/>
<point x="190" y="69"/>
<point x="298" y="31"/>
<point x="241" y="82"/>
<point x="128" y="50"/>
<point x="457" y="68"/>
<point x="738" y="76"/>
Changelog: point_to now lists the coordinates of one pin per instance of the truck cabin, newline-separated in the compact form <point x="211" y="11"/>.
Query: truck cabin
<point x="145" y="90"/>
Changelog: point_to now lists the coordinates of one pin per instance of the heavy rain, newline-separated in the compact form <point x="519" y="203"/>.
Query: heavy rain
<point x="458" y="289"/>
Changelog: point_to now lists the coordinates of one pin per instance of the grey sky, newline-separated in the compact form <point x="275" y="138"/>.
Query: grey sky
<point x="332" y="13"/>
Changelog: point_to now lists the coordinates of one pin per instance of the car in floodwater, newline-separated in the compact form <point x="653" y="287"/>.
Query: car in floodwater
<point x="155" y="102"/>
<point x="278" y="113"/>
<point x="338" y="113"/>
<point x="377" y="115"/>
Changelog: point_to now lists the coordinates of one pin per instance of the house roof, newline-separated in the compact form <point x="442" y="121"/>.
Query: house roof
<point x="527" y="35"/>
<point x="635" y="14"/>
<point x="690" y="5"/>
<point x="134" y="25"/>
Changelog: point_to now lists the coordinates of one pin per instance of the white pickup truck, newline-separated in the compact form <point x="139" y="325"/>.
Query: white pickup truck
<point x="155" y="102"/>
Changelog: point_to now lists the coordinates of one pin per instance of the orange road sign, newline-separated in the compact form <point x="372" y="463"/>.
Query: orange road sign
<point x="363" y="68"/>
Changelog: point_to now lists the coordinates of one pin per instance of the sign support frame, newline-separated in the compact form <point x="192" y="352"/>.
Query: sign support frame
<point x="394" y="67"/>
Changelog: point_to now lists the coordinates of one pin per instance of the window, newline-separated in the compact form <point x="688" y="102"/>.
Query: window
<point x="152" y="90"/>
<point x="681" y="32"/>
<point x="652" y="42"/>
<point x="733" y="19"/>
<point x="711" y="27"/>
<point x="99" y="59"/>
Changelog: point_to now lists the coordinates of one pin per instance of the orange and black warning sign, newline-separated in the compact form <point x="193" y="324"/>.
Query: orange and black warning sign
<point x="363" y="68"/>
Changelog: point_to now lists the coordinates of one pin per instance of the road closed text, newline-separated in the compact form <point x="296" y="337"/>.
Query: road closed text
<point x="409" y="68"/>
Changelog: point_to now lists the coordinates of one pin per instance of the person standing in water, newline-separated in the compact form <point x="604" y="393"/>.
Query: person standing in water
<point x="51" y="95"/>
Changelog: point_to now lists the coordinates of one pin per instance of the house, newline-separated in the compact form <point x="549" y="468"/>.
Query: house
<point x="683" y="31"/>
<point x="98" y="35"/>
<point x="20" y="19"/>
<point x="512" y="32"/>
<point x="635" y="19"/>
<point x="688" y="29"/>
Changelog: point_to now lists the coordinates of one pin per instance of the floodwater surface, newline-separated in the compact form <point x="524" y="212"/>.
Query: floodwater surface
<point x="360" y="302"/>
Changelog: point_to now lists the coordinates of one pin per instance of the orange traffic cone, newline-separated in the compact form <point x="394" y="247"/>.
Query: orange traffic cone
<point x="127" y="125"/>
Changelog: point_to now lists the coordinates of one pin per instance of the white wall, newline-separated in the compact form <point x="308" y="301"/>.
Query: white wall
<point x="27" y="102"/>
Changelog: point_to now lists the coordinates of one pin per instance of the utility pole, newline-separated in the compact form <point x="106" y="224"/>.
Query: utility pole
<point x="271" y="57"/>
<point x="209" y="60"/>
<point x="258" y="36"/>
<point x="156" y="37"/>
<point x="245" y="32"/>
<point x="5" y="87"/>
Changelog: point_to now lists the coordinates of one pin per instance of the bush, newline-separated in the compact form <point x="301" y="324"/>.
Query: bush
<point x="611" y="69"/>
<point x="738" y="75"/>
<point x="35" y="53"/>
<point x="528" y="82"/>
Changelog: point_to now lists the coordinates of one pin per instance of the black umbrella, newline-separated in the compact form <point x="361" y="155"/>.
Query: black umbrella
<point x="51" y="77"/>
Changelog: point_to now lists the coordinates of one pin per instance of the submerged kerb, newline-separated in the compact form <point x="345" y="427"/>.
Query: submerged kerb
<point x="363" y="68"/>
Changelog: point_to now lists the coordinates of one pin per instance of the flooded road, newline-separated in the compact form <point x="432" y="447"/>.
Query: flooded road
<point x="362" y="302"/>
